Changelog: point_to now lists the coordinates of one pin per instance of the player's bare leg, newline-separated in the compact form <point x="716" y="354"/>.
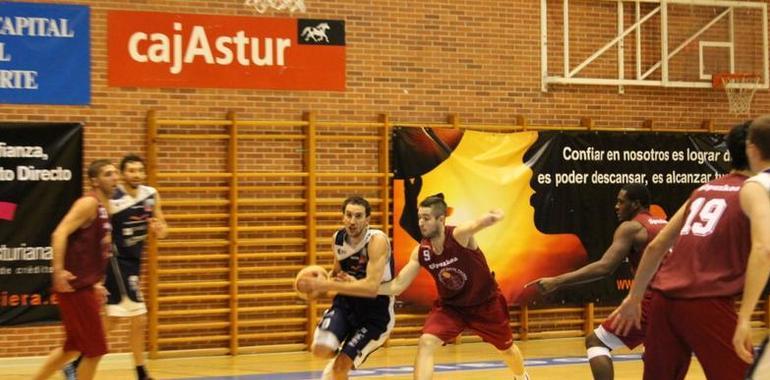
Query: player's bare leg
<point x="515" y="361"/>
<point x="54" y="362"/>
<point x="423" y="365"/>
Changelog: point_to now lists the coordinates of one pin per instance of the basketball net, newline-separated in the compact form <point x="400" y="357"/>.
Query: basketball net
<point x="740" y="89"/>
<point x="262" y="6"/>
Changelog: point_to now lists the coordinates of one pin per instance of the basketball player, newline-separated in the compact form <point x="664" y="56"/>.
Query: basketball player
<point x="359" y="321"/>
<point x="692" y="309"/>
<point x="755" y="200"/>
<point x="81" y="246"/>
<point x="136" y="212"/>
<point x="469" y="297"/>
<point x="637" y="229"/>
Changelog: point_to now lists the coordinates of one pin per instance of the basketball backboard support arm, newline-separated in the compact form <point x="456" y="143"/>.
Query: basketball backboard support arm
<point x="569" y="74"/>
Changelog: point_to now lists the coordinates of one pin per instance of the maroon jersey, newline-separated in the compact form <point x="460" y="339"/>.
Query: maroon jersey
<point x="653" y="225"/>
<point x="709" y="258"/>
<point x="462" y="275"/>
<point x="88" y="249"/>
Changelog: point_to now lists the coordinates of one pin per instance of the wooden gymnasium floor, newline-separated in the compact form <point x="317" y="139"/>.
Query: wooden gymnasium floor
<point x="558" y="359"/>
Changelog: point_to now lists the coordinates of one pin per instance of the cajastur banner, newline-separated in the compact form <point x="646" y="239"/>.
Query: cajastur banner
<point x="40" y="178"/>
<point x="152" y="49"/>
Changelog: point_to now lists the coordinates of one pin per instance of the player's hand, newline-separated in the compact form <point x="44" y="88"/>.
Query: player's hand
<point x="101" y="293"/>
<point x="309" y="284"/>
<point x="343" y="276"/>
<point x="158" y="228"/>
<point x="544" y="285"/>
<point x="496" y="215"/>
<point x="627" y="315"/>
<point x="742" y="341"/>
<point x="61" y="281"/>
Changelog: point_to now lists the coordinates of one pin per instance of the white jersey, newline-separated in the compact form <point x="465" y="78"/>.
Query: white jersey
<point x="353" y="259"/>
<point x="763" y="179"/>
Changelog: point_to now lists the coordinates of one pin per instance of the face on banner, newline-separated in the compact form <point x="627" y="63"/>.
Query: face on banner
<point x="559" y="192"/>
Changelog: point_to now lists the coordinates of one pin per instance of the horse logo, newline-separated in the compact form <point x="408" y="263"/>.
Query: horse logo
<point x="316" y="33"/>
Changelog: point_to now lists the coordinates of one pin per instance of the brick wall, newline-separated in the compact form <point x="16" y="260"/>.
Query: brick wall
<point x="416" y="62"/>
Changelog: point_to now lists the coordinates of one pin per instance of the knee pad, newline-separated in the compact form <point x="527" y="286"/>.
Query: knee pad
<point x="593" y="352"/>
<point x="325" y="339"/>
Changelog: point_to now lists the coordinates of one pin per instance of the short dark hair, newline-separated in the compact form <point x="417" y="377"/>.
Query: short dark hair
<point x="436" y="203"/>
<point x="638" y="192"/>
<point x="759" y="135"/>
<point x="95" y="167"/>
<point x="736" y="145"/>
<point x="130" y="158"/>
<point x="357" y="200"/>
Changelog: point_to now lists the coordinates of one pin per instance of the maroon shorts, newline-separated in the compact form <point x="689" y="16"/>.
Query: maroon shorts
<point x="677" y="328"/>
<point x="634" y="337"/>
<point x="489" y="320"/>
<point x="82" y="322"/>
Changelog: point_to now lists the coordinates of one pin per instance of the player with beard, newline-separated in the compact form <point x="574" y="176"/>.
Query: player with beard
<point x="136" y="212"/>
<point x="469" y="297"/>
<point x="359" y="321"/>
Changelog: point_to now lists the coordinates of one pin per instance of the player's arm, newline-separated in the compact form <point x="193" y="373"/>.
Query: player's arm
<point x="367" y="286"/>
<point x="629" y="313"/>
<point x="404" y="278"/>
<point x="622" y="243"/>
<point x="464" y="232"/>
<point x="158" y="222"/>
<point x="756" y="206"/>
<point x="82" y="212"/>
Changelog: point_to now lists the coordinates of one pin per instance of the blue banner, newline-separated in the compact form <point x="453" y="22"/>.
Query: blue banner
<point x="45" y="54"/>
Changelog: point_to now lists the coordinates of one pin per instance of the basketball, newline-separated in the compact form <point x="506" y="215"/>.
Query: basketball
<point x="309" y="271"/>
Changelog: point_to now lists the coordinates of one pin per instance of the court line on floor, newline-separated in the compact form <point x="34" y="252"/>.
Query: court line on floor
<point x="402" y="370"/>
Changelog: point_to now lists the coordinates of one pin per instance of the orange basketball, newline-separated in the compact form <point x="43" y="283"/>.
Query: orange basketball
<point x="309" y="271"/>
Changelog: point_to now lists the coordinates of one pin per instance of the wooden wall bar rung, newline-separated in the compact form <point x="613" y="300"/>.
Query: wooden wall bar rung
<point x="192" y="243"/>
<point x="272" y="136"/>
<point x="267" y="282"/>
<point x="191" y="271"/>
<point x="193" y="326"/>
<point x="350" y="138"/>
<point x="271" y="228"/>
<point x="192" y="312"/>
<point x="194" y="175"/>
<point x="278" y="214"/>
<point x="271" y="201"/>
<point x="193" y="257"/>
<point x="195" y="216"/>
<point x="271" y="174"/>
<point x="195" y="202"/>
<point x="195" y="298"/>
<point x="193" y="339"/>
<point x="190" y="230"/>
<point x="272" y="187"/>
<point x="187" y="189"/>
<point x="273" y="335"/>
<point x="271" y="255"/>
<point x="197" y="122"/>
<point x="271" y="241"/>
<point x="271" y="123"/>
<point x="193" y="284"/>
<point x="177" y="136"/>
<point x="272" y="322"/>
<point x="271" y="268"/>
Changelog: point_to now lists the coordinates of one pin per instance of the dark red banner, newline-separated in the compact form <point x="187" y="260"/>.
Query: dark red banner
<point x="151" y="49"/>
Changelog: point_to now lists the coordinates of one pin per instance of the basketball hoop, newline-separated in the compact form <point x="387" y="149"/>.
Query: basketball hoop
<point x="262" y="6"/>
<point x="740" y="89"/>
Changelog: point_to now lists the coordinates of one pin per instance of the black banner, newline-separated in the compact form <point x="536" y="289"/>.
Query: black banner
<point x="557" y="189"/>
<point x="40" y="178"/>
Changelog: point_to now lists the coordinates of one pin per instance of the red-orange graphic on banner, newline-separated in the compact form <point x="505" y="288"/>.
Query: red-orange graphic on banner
<point x="151" y="49"/>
